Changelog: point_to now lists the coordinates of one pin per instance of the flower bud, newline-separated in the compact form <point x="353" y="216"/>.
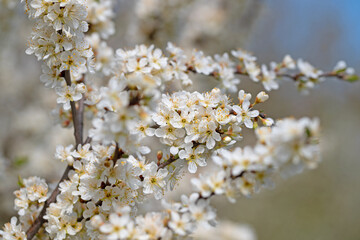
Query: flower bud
<point x="267" y="121"/>
<point x="81" y="88"/>
<point x="289" y="62"/>
<point x="227" y="139"/>
<point x="261" y="97"/>
<point x="159" y="155"/>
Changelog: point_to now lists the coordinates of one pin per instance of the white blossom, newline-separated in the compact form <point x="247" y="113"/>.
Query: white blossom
<point x="154" y="180"/>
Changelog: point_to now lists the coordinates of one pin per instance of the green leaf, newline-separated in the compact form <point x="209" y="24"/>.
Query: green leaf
<point x="20" y="161"/>
<point x="340" y="70"/>
<point x="308" y="132"/>
<point x="352" y="78"/>
<point x="20" y="181"/>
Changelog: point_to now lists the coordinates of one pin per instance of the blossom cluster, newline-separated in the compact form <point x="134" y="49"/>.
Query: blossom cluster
<point x="58" y="39"/>
<point x="31" y="196"/>
<point x="226" y="69"/>
<point x="29" y="201"/>
<point x="291" y="145"/>
<point x="303" y="73"/>
<point x="123" y="109"/>
<point x="102" y="178"/>
<point x="287" y="148"/>
<point x="101" y="27"/>
<point x="194" y="124"/>
<point x="12" y="230"/>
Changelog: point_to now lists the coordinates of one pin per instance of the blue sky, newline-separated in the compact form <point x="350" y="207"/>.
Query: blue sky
<point x="322" y="31"/>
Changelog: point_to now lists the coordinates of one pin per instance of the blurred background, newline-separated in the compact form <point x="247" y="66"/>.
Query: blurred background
<point x="318" y="204"/>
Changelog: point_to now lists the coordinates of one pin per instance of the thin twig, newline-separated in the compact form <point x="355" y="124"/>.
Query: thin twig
<point x="30" y="233"/>
<point x="77" y="115"/>
<point x="171" y="159"/>
<point x="88" y="140"/>
<point x="118" y="153"/>
<point x="232" y="177"/>
<point x="294" y="77"/>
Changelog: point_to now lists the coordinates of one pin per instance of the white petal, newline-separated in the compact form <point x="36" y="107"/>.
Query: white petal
<point x="210" y="143"/>
<point x="249" y="123"/>
<point x="253" y="113"/>
<point x="192" y="167"/>
<point x="201" y="162"/>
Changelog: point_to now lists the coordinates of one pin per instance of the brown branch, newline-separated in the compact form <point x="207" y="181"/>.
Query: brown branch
<point x="294" y="77"/>
<point x="76" y="113"/>
<point x="171" y="159"/>
<point x="232" y="177"/>
<point x="118" y="153"/>
<point x="78" y="116"/>
<point x="30" y="233"/>
<point x="88" y="140"/>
